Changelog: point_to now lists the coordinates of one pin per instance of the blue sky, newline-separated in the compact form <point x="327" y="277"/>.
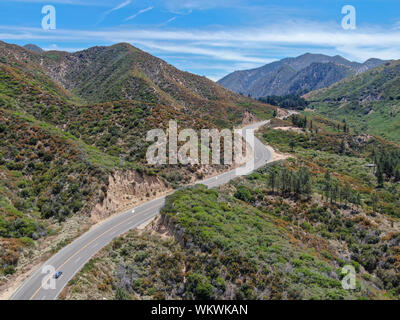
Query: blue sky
<point x="210" y="38"/>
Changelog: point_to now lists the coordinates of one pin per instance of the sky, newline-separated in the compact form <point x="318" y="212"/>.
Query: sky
<point x="210" y="37"/>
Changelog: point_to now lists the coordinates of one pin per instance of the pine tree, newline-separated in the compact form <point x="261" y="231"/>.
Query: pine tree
<point x="358" y="199"/>
<point x="292" y="144"/>
<point x="272" y="180"/>
<point x="334" y="193"/>
<point x="375" y="202"/>
<point x="379" y="177"/>
<point x="327" y="187"/>
<point x="346" y="192"/>
<point x="342" y="147"/>
<point x="397" y="175"/>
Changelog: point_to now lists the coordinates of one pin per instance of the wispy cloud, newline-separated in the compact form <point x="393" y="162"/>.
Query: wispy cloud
<point x="57" y="48"/>
<point x="177" y="5"/>
<point x="226" y="49"/>
<point x="118" y="7"/>
<point x="166" y="22"/>
<point x="139" y="13"/>
<point x="317" y="35"/>
<point x="229" y="55"/>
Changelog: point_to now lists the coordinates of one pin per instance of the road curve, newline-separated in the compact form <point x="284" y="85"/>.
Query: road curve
<point x="74" y="256"/>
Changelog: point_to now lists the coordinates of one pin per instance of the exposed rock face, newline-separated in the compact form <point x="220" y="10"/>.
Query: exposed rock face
<point x="249" y="117"/>
<point x="127" y="189"/>
<point x="362" y="139"/>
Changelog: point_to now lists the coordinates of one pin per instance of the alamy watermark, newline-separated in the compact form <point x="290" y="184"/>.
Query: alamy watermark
<point x="186" y="147"/>
<point x="349" y="20"/>
<point x="349" y="280"/>
<point x="48" y="281"/>
<point x="49" y="20"/>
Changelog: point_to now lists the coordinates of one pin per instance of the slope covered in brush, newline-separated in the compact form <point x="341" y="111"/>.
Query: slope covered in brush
<point x="370" y="102"/>
<point x="123" y="72"/>
<point x="295" y="75"/>
<point x="69" y="122"/>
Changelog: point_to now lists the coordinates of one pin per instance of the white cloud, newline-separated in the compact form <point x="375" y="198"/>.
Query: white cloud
<point x="229" y="55"/>
<point x="120" y="6"/>
<point x="254" y="46"/>
<point x="57" y="48"/>
<point x="176" y="5"/>
<point x="138" y="13"/>
<point x="166" y="22"/>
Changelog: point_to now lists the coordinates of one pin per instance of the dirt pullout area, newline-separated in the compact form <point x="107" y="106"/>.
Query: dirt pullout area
<point x="277" y="156"/>
<point x="294" y="129"/>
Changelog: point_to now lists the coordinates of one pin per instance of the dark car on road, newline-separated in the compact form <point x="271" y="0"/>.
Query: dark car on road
<point x="57" y="274"/>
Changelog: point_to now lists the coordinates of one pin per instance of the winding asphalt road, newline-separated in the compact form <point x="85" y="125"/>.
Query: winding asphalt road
<point x="74" y="256"/>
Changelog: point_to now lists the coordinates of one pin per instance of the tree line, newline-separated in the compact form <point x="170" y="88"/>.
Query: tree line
<point x="334" y="192"/>
<point x="290" y="101"/>
<point x="387" y="166"/>
<point x="289" y="182"/>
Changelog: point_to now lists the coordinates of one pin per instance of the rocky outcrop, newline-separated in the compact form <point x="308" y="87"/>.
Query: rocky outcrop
<point x="126" y="190"/>
<point x="249" y="118"/>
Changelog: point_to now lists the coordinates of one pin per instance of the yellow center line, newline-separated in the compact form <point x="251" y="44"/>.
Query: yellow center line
<point x="88" y="244"/>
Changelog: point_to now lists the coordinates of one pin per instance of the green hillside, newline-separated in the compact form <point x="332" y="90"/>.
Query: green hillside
<point x="370" y="102"/>
<point x="222" y="248"/>
<point x="123" y="72"/>
<point x="283" y="232"/>
<point x="69" y="122"/>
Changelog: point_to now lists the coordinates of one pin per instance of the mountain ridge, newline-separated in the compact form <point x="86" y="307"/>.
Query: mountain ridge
<point x="33" y="47"/>
<point x="295" y="75"/>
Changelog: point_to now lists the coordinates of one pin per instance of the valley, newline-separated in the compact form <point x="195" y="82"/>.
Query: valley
<point x="77" y="192"/>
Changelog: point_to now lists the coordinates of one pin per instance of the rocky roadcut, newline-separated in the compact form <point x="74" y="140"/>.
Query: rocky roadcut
<point x="287" y="231"/>
<point x="73" y="148"/>
<point x="72" y="145"/>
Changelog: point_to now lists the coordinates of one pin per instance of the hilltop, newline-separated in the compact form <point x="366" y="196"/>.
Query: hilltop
<point x="295" y="75"/>
<point x="33" y="47"/>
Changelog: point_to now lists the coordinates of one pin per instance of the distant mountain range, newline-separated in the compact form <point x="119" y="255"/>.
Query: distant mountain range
<point x="33" y="47"/>
<point x="295" y="75"/>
